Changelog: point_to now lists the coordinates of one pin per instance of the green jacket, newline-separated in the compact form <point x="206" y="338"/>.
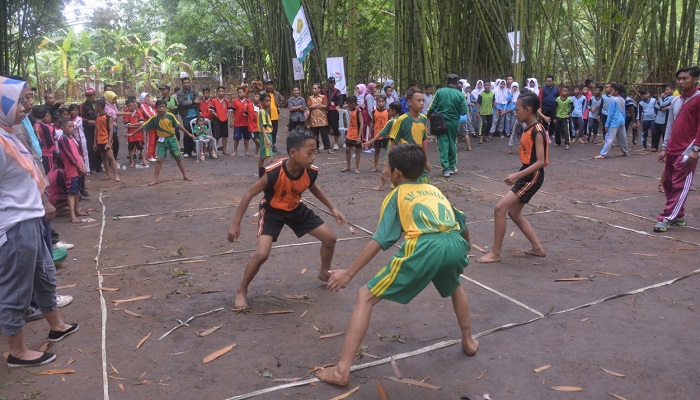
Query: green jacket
<point x="449" y="102"/>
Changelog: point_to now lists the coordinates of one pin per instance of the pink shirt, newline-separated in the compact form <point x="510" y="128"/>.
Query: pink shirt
<point x="71" y="157"/>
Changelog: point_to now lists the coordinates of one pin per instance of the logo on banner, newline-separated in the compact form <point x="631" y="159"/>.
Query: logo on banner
<point x="300" y="25"/>
<point x="338" y="76"/>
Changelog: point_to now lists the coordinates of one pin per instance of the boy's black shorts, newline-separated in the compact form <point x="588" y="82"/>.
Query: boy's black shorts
<point x="302" y="221"/>
<point x="101" y="148"/>
<point x="353" y="144"/>
<point x="527" y="186"/>
<point x="381" y="144"/>
<point x="138" y="145"/>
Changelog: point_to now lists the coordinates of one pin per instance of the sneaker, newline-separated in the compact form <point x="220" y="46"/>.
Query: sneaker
<point x="63" y="300"/>
<point x="680" y="221"/>
<point x="84" y="193"/>
<point x="14" y="362"/>
<point x="446" y="174"/>
<point x="32" y="314"/>
<point x="57" y="336"/>
<point x="661" y="226"/>
<point x="185" y="155"/>
<point x="152" y="159"/>
<point x="64" y="245"/>
<point x="335" y="146"/>
<point x="454" y="171"/>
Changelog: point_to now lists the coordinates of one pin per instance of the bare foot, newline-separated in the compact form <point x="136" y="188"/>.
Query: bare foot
<point x="510" y="151"/>
<point x="375" y="170"/>
<point x="599" y="157"/>
<point x="131" y="165"/>
<point x="378" y="187"/>
<point x="187" y="178"/>
<point x="241" y="302"/>
<point x="152" y="183"/>
<point x="332" y="376"/>
<point x="107" y="178"/>
<point x="324" y="276"/>
<point x="75" y="220"/>
<point x="345" y="169"/>
<point x="470" y="347"/>
<point x="536" y="252"/>
<point x="489" y="258"/>
<point x="357" y="171"/>
<point x="82" y="213"/>
<point x="117" y="179"/>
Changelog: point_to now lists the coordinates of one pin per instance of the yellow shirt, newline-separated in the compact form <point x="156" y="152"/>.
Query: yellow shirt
<point x="273" y="107"/>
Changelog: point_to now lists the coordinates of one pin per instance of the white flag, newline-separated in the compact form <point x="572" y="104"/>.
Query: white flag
<point x="298" y="69"/>
<point x="336" y="69"/>
<point x="514" y="39"/>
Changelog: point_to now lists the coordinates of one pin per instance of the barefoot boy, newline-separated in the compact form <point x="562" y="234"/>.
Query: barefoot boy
<point x="132" y="120"/>
<point x="411" y="127"/>
<point x="165" y="125"/>
<point x="394" y="112"/>
<point x="283" y="183"/>
<point x="434" y="250"/>
<point x="352" y="136"/>
<point x="104" y="135"/>
<point x="265" y="133"/>
<point x="526" y="182"/>
<point x="73" y="167"/>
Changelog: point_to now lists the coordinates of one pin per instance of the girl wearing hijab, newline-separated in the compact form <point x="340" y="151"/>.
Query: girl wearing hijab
<point x="25" y="259"/>
<point x="394" y="95"/>
<point x="147" y="111"/>
<point x="112" y="110"/>
<point x="364" y="101"/>
<point x="502" y="94"/>
<point x="533" y="86"/>
<point x="516" y="129"/>
<point x="478" y="89"/>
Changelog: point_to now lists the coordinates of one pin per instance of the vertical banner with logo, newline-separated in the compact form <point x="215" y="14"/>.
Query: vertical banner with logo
<point x="298" y="70"/>
<point x="336" y="69"/>
<point x="301" y="33"/>
<point x="514" y="39"/>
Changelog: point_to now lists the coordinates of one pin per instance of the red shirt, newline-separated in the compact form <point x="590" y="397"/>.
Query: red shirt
<point x="252" y="117"/>
<point x="71" y="157"/>
<point x="220" y="108"/>
<point x="204" y="108"/>
<point x="240" y="109"/>
<point x="133" y="117"/>
<point x="685" y="129"/>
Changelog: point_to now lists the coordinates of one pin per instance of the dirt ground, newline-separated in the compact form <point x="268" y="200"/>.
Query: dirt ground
<point x="168" y="242"/>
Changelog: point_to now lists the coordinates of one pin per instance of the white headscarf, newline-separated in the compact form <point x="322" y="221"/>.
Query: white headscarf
<point x="477" y="91"/>
<point x="465" y="84"/>
<point x="536" y="88"/>
<point x="501" y="94"/>
<point x="517" y="92"/>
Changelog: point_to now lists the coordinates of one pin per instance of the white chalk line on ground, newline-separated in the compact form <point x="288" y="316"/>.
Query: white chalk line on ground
<point x="103" y="304"/>
<point x="448" y="343"/>
<point x="165" y="182"/>
<point x="119" y="217"/>
<point x="640" y="216"/>
<point x="224" y="253"/>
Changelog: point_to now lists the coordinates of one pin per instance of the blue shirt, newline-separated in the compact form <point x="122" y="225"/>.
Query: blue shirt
<point x="606" y="102"/>
<point x="662" y="115"/>
<point x="578" y="106"/>
<point x="647" y="112"/>
<point x="616" y="112"/>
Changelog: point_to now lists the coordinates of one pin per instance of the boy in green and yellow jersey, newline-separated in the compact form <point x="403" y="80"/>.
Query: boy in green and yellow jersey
<point x="434" y="250"/>
<point x="265" y="132"/>
<point x="412" y="128"/>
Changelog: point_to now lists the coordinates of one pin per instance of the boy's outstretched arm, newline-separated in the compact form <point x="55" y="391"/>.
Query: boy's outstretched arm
<point x="341" y="277"/>
<point x="321" y="195"/>
<point x="235" y="229"/>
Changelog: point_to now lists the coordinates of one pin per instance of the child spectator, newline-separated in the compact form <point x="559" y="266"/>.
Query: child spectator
<point x="265" y="133"/>
<point x="594" y="115"/>
<point x="73" y="167"/>
<point x="132" y="120"/>
<point x="240" y="122"/>
<point x="74" y="109"/>
<point x="201" y="133"/>
<point x="434" y="250"/>
<point x="534" y="155"/>
<point x="564" y="108"/>
<point x="412" y="128"/>
<point x="501" y="94"/>
<point x="646" y="115"/>
<point x="615" y="122"/>
<point x="516" y="129"/>
<point x="221" y="117"/>
<point x="104" y="135"/>
<point x="661" y="107"/>
<point x="394" y="112"/>
<point x="486" y="101"/>
<point x="352" y="136"/>
<point x="146" y="111"/>
<point x="46" y="133"/>
<point x="318" y="117"/>
<point x="112" y="110"/>
<point x="253" y="108"/>
<point x="166" y="124"/>
<point x="428" y="94"/>
<point x="297" y="108"/>
<point x="579" y="103"/>
<point x="283" y="182"/>
<point x="631" y="118"/>
<point x="380" y="117"/>
<point x="205" y="104"/>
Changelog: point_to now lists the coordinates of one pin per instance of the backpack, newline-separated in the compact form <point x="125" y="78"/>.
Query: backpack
<point x="437" y="124"/>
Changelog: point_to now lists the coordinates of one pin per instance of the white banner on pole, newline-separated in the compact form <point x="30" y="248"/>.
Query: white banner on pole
<point x="336" y="69"/>
<point x="298" y="69"/>
<point x="514" y="39"/>
<point x="302" y="35"/>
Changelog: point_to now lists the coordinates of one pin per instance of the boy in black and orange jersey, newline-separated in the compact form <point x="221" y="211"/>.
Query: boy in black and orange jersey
<point x="534" y="155"/>
<point x="352" y="136"/>
<point x="283" y="183"/>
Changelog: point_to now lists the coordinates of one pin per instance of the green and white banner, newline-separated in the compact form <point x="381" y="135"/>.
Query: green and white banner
<point x="300" y="28"/>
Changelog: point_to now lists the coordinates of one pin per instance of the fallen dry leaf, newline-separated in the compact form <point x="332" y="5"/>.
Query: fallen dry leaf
<point x="613" y="373"/>
<point x="143" y="340"/>
<point x="512" y="234"/>
<point x="433" y="338"/>
<point x="209" y="331"/>
<point x="113" y="369"/>
<point x="66" y="286"/>
<point x="330" y="335"/>
<point x="303" y="314"/>
<point x="413" y="382"/>
<point x="213" y="356"/>
<point x="346" y="394"/>
<point x="479" y="248"/>
<point x="211" y="291"/>
<point x="69" y="362"/>
<point x="142" y="375"/>
<point x="149" y="247"/>
<point x="296" y="296"/>
<point x="121" y="387"/>
<point x="572" y="279"/>
<point x="133" y="314"/>
<point x="370" y="355"/>
<point x="617" y="396"/>
<point x="130" y="299"/>
<point x="584" y="319"/>
<point x="303" y="270"/>
<point x="395" y="368"/>
<point x="542" y="368"/>
<point x="567" y="388"/>
<point x="192" y="261"/>
<point x="55" y="372"/>
<point x="352" y="230"/>
<point x="45" y="346"/>
<point x="116" y="378"/>
<point x="142" y="383"/>
<point x="276" y="312"/>
<point x="606" y="273"/>
<point x="681" y="248"/>
<point x="646" y="255"/>
<point x="253" y="222"/>
<point x="315" y="328"/>
<point x="382" y="393"/>
<point x="158" y="219"/>
<point x="108" y="289"/>
<point x="286" y="379"/>
<point x="482" y="375"/>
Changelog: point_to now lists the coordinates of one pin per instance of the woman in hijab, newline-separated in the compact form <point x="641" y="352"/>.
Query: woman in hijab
<point x="26" y="263"/>
<point x="533" y="86"/>
<point x="394" y="95"/>
<point x="147" y="111"/>
<point x="516" y="129"/>
<point x="112" y="110"/>
<point x="502" y="93"/>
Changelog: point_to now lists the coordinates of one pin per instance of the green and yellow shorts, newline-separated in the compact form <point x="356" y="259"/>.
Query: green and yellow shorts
<point x="438" y="258"/>
<point x="168" y="144"/>
<point x="265" y="151"/>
